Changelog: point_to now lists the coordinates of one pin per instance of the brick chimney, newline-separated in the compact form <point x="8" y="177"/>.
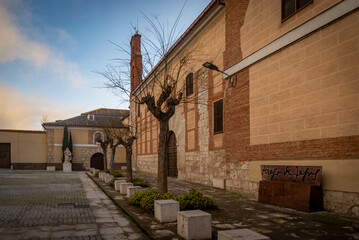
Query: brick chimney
<point x="136" y="61"/>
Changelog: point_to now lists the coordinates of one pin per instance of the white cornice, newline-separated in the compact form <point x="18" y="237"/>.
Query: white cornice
<point x="303" y="30"/>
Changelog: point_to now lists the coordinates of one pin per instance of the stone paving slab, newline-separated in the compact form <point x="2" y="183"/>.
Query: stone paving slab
<point x="57" y="205"/>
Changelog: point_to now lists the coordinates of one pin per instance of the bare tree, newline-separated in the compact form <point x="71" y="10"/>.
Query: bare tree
<point x="162" y="93"/>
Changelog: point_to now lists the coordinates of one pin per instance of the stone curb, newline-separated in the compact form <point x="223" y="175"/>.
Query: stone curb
<point x="131" y="218"/>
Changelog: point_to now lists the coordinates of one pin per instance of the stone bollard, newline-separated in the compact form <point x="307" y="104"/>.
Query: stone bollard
<point x="194" y="224"/>
<point x="108" y="178"/>
<point x="91" y="169"/>
<point x="117" y="184"/>
<point x="238" y="234"/>
<point x="102" y="175"/>
<point x="131" y="190"/>
<point x="94" y="171"/>
<point x="166" y="210"/>
<point x="123" y="187"/>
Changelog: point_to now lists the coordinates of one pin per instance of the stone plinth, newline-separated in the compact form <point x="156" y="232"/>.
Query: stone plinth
<point x="131" y="190"/>
<point x="108" y="178"/>
<point x="166" y="210"/>
<point x="241" y="234"/>
<point x="67" y="167"/>
<point x="194" y="224"/>
<point x="117" y="184"/>
<point x="100" y="175"/>
<point x="219" y="183"/>
<point x="51" y="168"/>
<point x="123" y="187"/>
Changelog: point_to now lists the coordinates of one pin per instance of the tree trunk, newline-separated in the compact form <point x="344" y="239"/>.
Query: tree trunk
<point x="162" y="157"/>
<point x="112" y="161"/>
<point x="129" y="163"/>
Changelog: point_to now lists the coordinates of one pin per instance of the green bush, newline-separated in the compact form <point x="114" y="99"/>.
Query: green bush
<point x="145" y="200"/>
<point x="112" y="183"/>
<point x="140" y="182"/>
<point x="196" y="200"/>
<point x="116" y="173"/>
<point x="189" y="201"/>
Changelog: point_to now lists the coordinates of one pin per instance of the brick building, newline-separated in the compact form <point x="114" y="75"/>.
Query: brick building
<point x="292" y="97"/>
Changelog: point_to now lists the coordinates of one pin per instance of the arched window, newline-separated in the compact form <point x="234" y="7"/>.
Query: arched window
<point x="189" y="84"/>
<point x="97" y="136"/>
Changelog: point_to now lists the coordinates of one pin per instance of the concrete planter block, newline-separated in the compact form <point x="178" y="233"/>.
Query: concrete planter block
<point x="131" y="190"/>
<point x="91" y="169"/>
<point x="67" y="167"/>
<point x="123" y="168"/>
<point x="194" y="224"/>
<point x="108" y="178"/>
<point x="219" y="183"/>
<point x="94" y="171"/>
<point x="51" y="168"/>
<point x="123" y="187"/>
<point x="241" y="234"/>
<point x="166" y="210"/>
<point x="117" y="184"/>
<point x="101" y="175"/>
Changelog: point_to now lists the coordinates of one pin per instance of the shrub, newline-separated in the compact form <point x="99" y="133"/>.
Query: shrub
<point x="140" y="182"/>
<point x="145" y="200"/>
<point x="116" y="173"/>
<point x="112" y="183"/>
<point x="196" y="200"/>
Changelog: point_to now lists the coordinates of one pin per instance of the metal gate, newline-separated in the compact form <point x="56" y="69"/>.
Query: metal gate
<point x="5" y="158"/>
<point x="172" y="155"/>
<point x="97" y="161"/>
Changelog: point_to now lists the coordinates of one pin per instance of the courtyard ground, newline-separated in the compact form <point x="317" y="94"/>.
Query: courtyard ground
<point x="57" y="205"/>
<point x="236" y="212"/>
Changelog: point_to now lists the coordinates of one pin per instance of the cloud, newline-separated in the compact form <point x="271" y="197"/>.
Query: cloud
<point x="17" y="112"/>
<point x="14" y="45"/>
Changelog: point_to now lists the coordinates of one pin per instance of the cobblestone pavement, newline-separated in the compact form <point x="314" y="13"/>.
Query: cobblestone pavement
<point x="57" y="205"/>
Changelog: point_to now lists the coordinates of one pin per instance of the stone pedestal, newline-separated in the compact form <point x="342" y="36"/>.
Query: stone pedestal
<point x="67" y="167"/>
<point x="166" y="210"/>
<point x="123" y="187"/>
<point x="117" y="184"/>
<point x="241" y="234"/>
<point x="108" y="178"/>
<point x="131" y="190"/>
<point x="194" y="224"/>
<point x="51" y="168"/>
<point x="219" y="183"/>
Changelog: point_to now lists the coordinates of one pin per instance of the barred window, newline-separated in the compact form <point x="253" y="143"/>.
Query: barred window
<point x="218" y="116"/>
<point x="290" y="7"/>
<point x="189" y="84"/>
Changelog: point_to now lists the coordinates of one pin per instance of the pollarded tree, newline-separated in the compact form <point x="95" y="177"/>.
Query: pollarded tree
<point x="162" y="74"/>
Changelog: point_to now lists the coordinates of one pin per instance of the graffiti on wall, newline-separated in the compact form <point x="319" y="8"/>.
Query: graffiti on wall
<point x="297" y="174"/>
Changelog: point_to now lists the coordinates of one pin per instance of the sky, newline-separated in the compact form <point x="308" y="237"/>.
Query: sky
<point x="50" y="51"/>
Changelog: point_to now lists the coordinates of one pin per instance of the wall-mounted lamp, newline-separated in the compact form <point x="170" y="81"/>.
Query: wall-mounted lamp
<point x="215" y="68"/>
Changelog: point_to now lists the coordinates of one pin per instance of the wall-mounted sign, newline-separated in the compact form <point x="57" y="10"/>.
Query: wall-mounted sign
<point x="297" y="174"/>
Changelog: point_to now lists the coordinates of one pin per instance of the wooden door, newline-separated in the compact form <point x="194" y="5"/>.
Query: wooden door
<point x="172" y="155"/>
<point x="97" y="161"/>
<point x="5" y="160"/>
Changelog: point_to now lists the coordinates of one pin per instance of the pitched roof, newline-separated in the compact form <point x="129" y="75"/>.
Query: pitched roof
<point x="102" y="117"/>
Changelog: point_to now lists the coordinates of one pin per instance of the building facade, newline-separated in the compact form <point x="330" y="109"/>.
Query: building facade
<point x="39" y="149"/>
<point x="291" y="98"/>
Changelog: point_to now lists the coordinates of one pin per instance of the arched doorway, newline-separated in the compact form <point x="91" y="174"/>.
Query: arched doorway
<point x="172" y="155"/>
<point x="97" y="161"/>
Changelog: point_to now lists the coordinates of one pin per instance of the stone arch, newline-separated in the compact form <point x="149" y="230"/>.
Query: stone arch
<point x="97" y="161"/>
